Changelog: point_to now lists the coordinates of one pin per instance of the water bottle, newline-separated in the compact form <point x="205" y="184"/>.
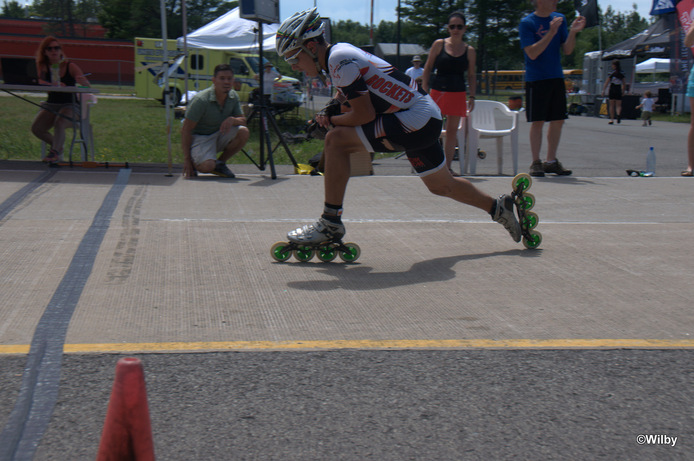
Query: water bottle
<point x="650" y="163"/>
<point x="55" y="74"/>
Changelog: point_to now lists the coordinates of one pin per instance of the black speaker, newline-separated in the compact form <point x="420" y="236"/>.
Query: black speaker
<point x="267" y="11"/>
<point x="629" y="110"/>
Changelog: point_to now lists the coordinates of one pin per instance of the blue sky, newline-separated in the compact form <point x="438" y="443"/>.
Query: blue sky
<point x="384" y="10"/>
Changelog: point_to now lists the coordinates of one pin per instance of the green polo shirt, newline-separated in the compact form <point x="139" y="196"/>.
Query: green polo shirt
<point x="208" y="114"/>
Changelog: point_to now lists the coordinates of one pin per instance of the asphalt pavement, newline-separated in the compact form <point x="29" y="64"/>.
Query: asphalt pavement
<point x="446" y="340"/>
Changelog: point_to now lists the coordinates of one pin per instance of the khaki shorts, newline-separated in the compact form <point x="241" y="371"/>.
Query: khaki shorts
<point x="206" y="147"/>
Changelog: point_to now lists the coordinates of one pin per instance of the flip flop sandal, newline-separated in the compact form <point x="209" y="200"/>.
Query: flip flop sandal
<point x="687" y="173"/>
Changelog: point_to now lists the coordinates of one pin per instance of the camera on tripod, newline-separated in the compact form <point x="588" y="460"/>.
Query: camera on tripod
<point x="264" y="11"/>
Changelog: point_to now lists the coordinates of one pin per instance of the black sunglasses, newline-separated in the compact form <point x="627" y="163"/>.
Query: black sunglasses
<point x="51" y="48"/>
<point x="456" y="26"/>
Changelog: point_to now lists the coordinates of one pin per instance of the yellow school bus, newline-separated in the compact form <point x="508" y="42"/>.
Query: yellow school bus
<point x="515" y="79"/>
<point x="502" y="80"/>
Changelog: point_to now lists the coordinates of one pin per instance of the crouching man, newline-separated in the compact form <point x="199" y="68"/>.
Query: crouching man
<point x="214" y="123"/>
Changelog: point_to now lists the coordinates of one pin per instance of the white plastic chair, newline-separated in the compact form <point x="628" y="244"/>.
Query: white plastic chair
<point x="483" y="124"/>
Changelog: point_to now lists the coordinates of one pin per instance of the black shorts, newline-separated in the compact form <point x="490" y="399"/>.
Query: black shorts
<point x="422" y="146"/>
<point x="615" y="92"/>
<point x="546" y="100"/>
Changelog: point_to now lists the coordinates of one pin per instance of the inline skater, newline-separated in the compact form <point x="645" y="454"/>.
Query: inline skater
<point x="389" y="113"/>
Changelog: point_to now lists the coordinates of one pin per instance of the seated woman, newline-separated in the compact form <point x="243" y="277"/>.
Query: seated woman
<point x="54" y="69"/>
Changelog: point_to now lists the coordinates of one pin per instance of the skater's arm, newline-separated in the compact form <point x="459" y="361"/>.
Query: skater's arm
<point x="362" y="112"/>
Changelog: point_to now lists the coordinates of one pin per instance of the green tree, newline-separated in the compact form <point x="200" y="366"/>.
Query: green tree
<point x="427" y="19"/>
<point x="494" y="24"/>
<point x="350" y="32"/>
<point x="13" y="10"/>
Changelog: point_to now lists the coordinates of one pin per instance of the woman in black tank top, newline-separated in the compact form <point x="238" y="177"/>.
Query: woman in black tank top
<point x="445" y="80"/>
<point x="53" y="68"/>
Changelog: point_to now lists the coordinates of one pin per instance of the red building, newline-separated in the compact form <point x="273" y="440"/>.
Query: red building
<point x="106" y="60"/>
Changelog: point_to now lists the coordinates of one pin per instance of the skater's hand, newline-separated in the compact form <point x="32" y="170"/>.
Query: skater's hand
<point x="189" y="170"/>
<point x="324" y="121"/>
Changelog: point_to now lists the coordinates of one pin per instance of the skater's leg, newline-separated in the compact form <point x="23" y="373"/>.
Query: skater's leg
<point x="460" y="189"/>
<point x="340" y="143"/>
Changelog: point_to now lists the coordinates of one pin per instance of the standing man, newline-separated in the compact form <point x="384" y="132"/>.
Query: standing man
<point x="415" y="72"/>
<point x="543" y="36"/>
<point x="390" y="113"/>
<point x="214" y="123"/>
<point x="270" y="75"/>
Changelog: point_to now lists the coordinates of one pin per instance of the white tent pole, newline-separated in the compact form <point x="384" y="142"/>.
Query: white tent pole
<point x="185" y="47"/>
<point x="165" y="68"/>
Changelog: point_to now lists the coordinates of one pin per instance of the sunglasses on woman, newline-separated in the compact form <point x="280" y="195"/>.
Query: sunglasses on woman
<point x="456" y="26"/>
<point x="53" y="48"/>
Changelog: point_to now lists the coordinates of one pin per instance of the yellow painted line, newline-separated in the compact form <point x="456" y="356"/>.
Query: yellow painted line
<point x="367" y="344"/>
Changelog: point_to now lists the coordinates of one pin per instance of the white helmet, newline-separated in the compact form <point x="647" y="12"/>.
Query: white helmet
<point x="295" y="30"/>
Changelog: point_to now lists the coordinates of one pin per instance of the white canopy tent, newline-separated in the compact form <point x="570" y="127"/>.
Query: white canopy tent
<point x="653" y="65"/>
<point x="231" y="32"/>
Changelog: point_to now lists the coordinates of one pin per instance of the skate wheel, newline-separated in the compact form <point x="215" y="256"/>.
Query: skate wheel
<point x="326" y="253"/>
<point x="304" y="254"/>
<point x="534" y="241"/>
<point x="352" y="253"/>
<point x="522" y="182"/>
<point x="530" y="220"/>
<point x="279" y="252"/>
<point x="526" y="201"/>
<point x="481" y="154"/>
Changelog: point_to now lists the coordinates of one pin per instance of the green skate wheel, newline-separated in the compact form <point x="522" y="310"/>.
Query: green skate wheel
<point x="279" y="252"/>
<point x="530" y="220"/>
<point x="304" y="254"/>
<point x="522" y="181"/>
<point x="326" y="253"/>
<point x="352" y="253"/>
<point x="534" y="241"/>
<point x="526" y="201"/>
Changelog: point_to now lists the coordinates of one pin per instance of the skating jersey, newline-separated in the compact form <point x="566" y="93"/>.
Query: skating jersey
<point x="355" y="73"/>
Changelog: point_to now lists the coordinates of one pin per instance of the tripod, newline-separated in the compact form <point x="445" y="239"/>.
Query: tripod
<point x="263" y="112"/>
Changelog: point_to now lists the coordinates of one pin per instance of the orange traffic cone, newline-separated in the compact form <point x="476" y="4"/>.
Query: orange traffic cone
<point x="127" y="433"/>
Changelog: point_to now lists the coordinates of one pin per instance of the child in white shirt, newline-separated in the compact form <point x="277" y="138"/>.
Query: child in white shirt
<point x="646" y="105"/>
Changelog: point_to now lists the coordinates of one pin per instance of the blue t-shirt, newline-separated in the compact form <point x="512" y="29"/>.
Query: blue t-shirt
<point x="548" y="64"/>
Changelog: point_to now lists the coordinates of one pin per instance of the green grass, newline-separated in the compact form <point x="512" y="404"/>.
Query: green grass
<point x="131" y="130"/>
<point x="134" y="130"/>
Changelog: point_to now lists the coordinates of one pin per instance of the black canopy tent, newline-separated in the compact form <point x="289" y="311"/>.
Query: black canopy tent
<point x="654" y="41"/>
